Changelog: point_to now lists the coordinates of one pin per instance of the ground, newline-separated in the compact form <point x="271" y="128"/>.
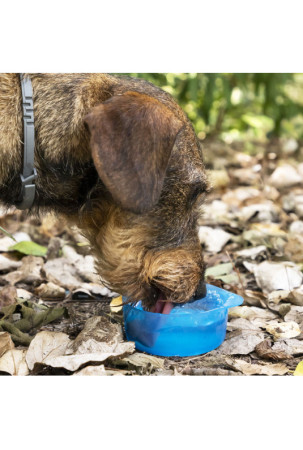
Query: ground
<point x="252" y="231"/>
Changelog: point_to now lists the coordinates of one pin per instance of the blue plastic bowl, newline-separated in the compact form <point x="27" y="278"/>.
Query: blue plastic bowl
<point x="190" y="329"/>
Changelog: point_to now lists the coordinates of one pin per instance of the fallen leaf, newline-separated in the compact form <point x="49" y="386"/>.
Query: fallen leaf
<point x="60" y="271"/>
<point x="222" y="272"/>
<point x="294" y="248"/>
<point x="261" y="212"/>
<point x="296" y="296"/>
<point x="24" y="316"/>
<point x="266" y="351"/>
<point x="295" y="314"/>
<point x="29" y="272"/>
<point x="258" y="369"/>
<point x="92" y="371"/>
<point x="283" y="330"/>
<point x="277" y="296"/>
<point x="8" y="263"/>
<point x="299" y="369"/>
<point x="296" y="227"/>
<point x="29" y="248"/>
<point x="213" y="238"/>
<point x="271" y="276"/>
<point x="13" y="362"/>
<point x="252" y="252"/>
<point x="143" y="360"/>
<point x="24" y="294"/>
<point x="236" y="197"/>
<point x="6" y="342"/>
<point x="50" y="290"/>
<point x="285" y="176"/>
<point x="242" y="324"/>
<point x="46" y="344"/>
<point x="99" y="335"/>
<point x="8" y="241"/>
<point x="99" y="341"/>
<point x="250" y="312"/>
<point x="290" y="346"/>
<point x="84" y="265"/>
<point x="116" y="304"/>
<point x="241" y="343"/>
<point x="8" y="295"/>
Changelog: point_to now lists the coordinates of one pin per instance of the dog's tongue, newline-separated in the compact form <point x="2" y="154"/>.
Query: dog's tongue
<point x="162" y="307"/>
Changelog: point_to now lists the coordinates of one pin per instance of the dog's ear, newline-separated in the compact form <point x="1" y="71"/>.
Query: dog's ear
<point x="132" y="136"/>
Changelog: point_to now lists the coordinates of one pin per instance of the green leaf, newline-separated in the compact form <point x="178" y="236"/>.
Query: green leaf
<point x="299" y="369"/>
<point x="219" y="270"/>
<point x="29" y="248"/>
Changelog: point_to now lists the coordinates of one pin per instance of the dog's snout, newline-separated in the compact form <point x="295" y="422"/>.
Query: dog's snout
<point x="201" y="290"/>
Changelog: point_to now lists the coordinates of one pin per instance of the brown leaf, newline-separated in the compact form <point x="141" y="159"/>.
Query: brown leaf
<point x="50" y="290"/>
<point x="99" y="335"/>
<point x="29" y="272"/>
<point x="8" y="295"/>
<point x="265" y="351"/>
<point x="6" y="342"/>
<point x="258" y="369"/>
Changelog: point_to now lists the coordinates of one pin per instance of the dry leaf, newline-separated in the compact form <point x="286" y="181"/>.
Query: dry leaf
<point x="29" y="272"/>
<point x="242" y="324"/>
<point x="283" y="330"/>
<point x="266" y="351"/>
<point x="213" y="238"/>
<point x="285" y="176"/>
<point x="116" y="304"/>
<point x="99" y="335"/>
<point x="290" y="346"/>
<point x="13" y="362"/>
<point x="295" y="314"/>
<point x="8" y="295"/>
<point x="143" y="360"/>
<point x="296" y="296"/>
<point x="61" y="272"/>
<point x="250" y="312"/>
<point x="6" y="342"/>
<point x="258" y="369"/>
<point x="241" y="342"/>
<point x="50" y="290"/>
<point x="92" y="371"/>
<point x="46" y="344"/>
<point x="272" y="276"/>
<point x="8" y="263"/>
<point x="277" y="296"/>
<point x="98" y="341"/>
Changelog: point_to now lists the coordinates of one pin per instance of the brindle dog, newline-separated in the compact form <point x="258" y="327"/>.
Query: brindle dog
<point x="120" y="159"/>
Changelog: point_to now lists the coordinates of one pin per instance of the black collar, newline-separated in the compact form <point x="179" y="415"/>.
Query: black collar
<point x="29" y="173"/>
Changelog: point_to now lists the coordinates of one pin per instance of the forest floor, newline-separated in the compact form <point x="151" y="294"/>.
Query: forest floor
<point x="252" y="230"/>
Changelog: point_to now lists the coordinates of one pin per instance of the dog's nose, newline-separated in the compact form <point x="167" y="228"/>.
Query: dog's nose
<point x="201" y="290"/>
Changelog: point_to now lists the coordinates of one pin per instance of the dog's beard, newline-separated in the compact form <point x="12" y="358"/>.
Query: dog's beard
<point x="130" y="262"/>
<point x="158" y="278"/>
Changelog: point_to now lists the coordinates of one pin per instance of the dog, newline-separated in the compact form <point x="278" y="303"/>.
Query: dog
<point x="120" y="159"/>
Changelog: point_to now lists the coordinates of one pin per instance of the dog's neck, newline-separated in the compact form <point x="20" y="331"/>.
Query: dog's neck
<point x="62" y="155"/>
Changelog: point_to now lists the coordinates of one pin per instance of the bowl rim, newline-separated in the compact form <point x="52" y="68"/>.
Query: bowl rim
<point x="195" y="312"/>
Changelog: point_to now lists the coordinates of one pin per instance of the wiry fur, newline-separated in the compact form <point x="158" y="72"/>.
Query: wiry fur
<point x="137" y="254"/>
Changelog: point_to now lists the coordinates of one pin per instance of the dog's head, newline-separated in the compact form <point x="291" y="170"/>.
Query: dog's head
<point x="143" y="226"/>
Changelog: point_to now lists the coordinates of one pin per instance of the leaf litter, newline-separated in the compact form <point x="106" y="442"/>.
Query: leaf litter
<point x="56" y="316"/>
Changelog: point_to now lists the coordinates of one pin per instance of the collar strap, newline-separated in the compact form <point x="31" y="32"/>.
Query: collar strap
<point x="29" y="173"/>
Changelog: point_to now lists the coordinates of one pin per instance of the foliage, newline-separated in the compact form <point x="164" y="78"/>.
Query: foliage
<point x="237" y="105"/>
